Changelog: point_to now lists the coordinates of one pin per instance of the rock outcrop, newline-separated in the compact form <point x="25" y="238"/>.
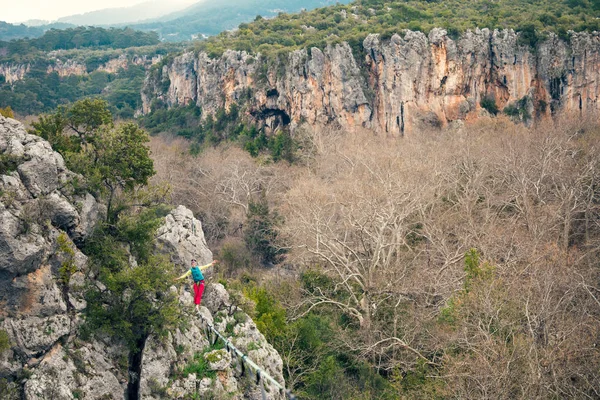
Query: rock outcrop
<point x="40" y="212"/>
<point x="182" y="238"/>
<point x="14" y="72"/>
<point x="65" y="66"/>
<point x="395" y="85"/>
<point x="167" y="372"/>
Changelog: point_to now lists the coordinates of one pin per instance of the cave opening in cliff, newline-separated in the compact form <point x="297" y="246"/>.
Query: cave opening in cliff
<point x="273" y="117"/>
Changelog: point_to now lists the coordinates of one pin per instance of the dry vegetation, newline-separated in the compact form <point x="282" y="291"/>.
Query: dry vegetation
<point x="465" y="263"/>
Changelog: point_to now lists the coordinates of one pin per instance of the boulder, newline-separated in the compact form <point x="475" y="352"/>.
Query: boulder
<point x="74" y="373"/>
<point x="21" y="249"/>
<point x="218" y="360"/>
<point x="181" y="237"/>
<point x="60" y="211"/>
<point x="91" y="212"/>
<point x="40" y="295"/>
<point x="35" y="335"/>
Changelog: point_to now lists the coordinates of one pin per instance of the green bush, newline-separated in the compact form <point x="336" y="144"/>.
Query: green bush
<point x="518" y="109"/>
<point x="260" y="232"/>
<point x="4" y="341"/>
<point x="8" y="163"/>
<point x="7" y="112"/>
<point x="234" y="257"/>
<point x="198" y="366"/>
<point x="489" y="103"/>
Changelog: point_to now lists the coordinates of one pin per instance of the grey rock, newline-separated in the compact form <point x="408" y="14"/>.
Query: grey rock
<point x="12" y="136"/>
<point x="61" y="212"/>
<point x="182" y="237"/>
<point x="40" y="295"/>
<point x="14" y="193"/>
<point x="215" y="298"/>
<point x="174" y="352"/>
<point x="218" y="360"/>
<point x="34" y="334"/>
<point x="158" y="357"/>
<point x="186" y="387"/>
<point x="63" y="373"/>
<point x="91" y="212"/>
<point x="39" y="177"/>
<point x="20" y="252"/>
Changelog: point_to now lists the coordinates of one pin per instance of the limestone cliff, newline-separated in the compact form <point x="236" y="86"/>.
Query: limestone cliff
<point x="64" y="66"/>
<point x="40" y="211"/>
<point x="394" y="85"/>
<point x="14" y="72"/>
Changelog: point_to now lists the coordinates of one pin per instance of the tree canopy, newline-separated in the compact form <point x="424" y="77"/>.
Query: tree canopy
<point x="82" y="37"/>
<point x="353" y="22"/>
<point x="111" y="158"/>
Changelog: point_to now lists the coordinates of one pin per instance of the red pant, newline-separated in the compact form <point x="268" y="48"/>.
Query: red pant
<point x="198" y="290"/>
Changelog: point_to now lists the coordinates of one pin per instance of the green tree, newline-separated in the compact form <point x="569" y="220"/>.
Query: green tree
<point x="118" y="160"/>
<point x="111" y="158"/>
<point x="135" y="304"/>
<point x="4" y="341"/>
<point x="70" y="128"/>
<point x="261" y="234"/>
<point x="133" y="301"/>
<point x="87" y="116"/>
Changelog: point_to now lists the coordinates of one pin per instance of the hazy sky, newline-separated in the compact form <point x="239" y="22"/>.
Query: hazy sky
<point x="22" y="10"/>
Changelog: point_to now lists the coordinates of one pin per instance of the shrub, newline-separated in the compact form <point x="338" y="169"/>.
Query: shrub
<point x="7" y="112"/>
<point x="489" y="103"/>
<point x="235" y="257"/>
<point x="518" y="109"/>
<point x="8" y="163"/>
<point x="261" y="234"/>
<point x="5" y="343"/>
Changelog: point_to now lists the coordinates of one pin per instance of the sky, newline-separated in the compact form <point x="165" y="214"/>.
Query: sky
<point x="23" y="10"/>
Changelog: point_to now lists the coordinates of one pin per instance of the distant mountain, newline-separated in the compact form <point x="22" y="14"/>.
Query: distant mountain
<point x="36" y="22"/>
<point x="211" y="17"/>
<point x="171" y="19"/>
<point x="123" y="15"/>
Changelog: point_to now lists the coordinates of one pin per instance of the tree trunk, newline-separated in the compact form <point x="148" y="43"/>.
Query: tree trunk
<point x="135" y="369"/>
<point x="109" y="205"/>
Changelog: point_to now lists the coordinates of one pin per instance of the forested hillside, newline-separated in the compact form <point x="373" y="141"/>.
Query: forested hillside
<point x="353" y="22"/>
<point x="23" y="50"/>
<point x="12" y="31"/>
<point x="62" y="66"/>
<point x="452" y="264"/>
<point x="210" y="18"/>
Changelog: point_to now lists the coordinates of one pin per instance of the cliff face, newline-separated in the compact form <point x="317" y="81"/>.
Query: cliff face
<point x="396" y="85"/>
<point x="66" y="67"/>
<point x="40" y="213"/>
<point x="14" y="72"/>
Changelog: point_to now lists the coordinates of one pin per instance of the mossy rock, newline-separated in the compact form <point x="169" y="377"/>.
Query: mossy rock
<point x="218" y="360"/>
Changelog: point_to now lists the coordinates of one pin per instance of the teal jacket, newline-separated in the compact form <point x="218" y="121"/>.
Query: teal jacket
<point x="189" y="271"/>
